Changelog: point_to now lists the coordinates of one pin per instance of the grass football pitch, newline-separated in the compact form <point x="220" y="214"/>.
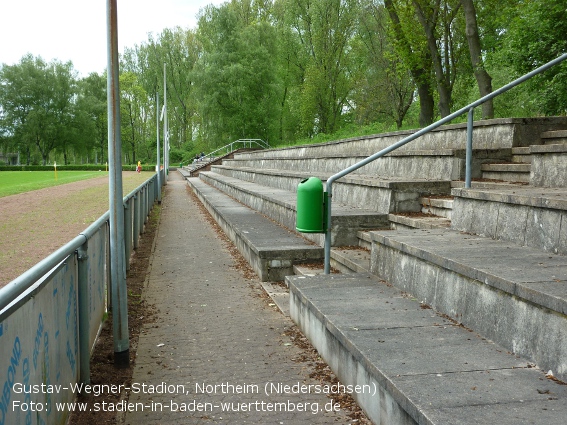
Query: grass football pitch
<point x="14" y="182"/>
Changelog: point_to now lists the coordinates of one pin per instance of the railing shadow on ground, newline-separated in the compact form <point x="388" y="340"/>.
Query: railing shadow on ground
<point x="50" y="316"/>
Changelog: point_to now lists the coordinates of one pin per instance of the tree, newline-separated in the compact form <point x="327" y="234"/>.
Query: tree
<point x="384" y="89"/>
<point x="545" y="40"/>
<point x="236" y="76"/>
<point x="325" y="30"/>
<point x="437" y="20"/>
<point x="91" y="102"/>
<point x="133" y="112"/>
<point x="484" y="80"/>
<point x="417" y="58"/>
<point x="37" y="100"/>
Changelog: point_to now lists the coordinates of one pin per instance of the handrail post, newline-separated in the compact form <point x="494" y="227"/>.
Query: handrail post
<point x="127" y="232"/>
<point x="327" y="220"/>
<point x="468" y="158"/>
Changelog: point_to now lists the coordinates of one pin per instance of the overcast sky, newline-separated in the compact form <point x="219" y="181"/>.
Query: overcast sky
<point x="71" y="30"/>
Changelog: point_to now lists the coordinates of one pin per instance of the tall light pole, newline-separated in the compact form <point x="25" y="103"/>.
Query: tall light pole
<point x="119" y="295"/>
<point x="158" y="168"/>
<point x="165" y="130"/>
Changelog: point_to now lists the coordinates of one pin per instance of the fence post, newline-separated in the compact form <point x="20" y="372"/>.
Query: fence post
<point x="128" y="232"/>
<point x="84" y="302"/>
<point x="137" y="220"/>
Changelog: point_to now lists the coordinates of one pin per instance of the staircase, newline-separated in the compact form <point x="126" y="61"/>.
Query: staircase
<point x="450" y="304"/>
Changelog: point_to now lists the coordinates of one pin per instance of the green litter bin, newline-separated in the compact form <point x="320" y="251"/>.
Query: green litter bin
<point x="310" y="206"/>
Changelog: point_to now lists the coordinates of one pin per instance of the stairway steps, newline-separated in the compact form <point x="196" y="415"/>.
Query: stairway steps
<point x="413" y="365"/>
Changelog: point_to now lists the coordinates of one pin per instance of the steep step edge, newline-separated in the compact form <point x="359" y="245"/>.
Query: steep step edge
<point x="410" y="365"/>
<point x="515" y="296"/>
<point x="270" y="249"/>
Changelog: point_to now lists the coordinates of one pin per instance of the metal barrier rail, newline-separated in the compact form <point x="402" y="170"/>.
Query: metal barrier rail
<point x="50" y="315"/>
<point x="468" y="159"/>
<point x="231" y="147"/>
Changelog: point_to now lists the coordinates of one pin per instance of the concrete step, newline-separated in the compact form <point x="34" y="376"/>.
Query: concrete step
<point x="554" y="137"/>
<point x="280" y="205"/>
<point x="440" y="206"/>
<point x="493" y="134"/>
<point x="270" y="249"/>
<point x="525" y="215"/>
<point x="515" y="296"/>
<point x="424" y="164"/>
<point x="514" y="172"/>
<point x="521" y="155"/>
<point x="418" y="221"/>
<point x="548" y="165"/>
<point x="350" y="259"/>
<point x="407" y="364"/>
<point x="382" y="195"/>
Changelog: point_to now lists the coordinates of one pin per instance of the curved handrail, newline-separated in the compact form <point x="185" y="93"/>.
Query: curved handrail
<point x="467" y="109"/>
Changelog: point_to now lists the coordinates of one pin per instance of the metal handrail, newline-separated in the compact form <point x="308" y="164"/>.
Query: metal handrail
<point x="468" y="159"/>
<point x="230" y="147"/>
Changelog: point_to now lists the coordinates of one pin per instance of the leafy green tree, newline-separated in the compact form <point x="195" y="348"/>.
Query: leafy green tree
<point x="325" y="30"/>
<point x="236" y="77"/>
<point x="38" y="102"/>
<point x="538" y="35"/>
<point x="384" y="90"/>
<point x="134" y="105"/>
<point x="411" y="48"/>
<point x="483" y="78"/>
<point x="91" y="104"/>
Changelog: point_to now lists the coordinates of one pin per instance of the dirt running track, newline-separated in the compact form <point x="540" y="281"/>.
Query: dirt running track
<point x="36" y="223"/>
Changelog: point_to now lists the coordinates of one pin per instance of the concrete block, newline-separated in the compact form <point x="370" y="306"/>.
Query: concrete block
<point x="489" y="286"/>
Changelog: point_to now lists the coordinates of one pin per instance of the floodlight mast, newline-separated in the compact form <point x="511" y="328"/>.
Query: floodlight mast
<point x="165" y="129"/>
<point x="118" y="289"/>
<point x="158" y="166"/>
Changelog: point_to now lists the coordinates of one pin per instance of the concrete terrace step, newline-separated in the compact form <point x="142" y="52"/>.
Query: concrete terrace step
<point x="418" y="221"/>
<point x="378" y="194"/>
<point x="431" y="164"/>
<point x="514" y="172"/>
<point x="280" y="205"/>
<point x="521" y="155"/>
<point x="553" y="137"/>
<point x="414" y="366"/>
<point x="437" y="205"/>
<point x="515" y="296"/>
<point x="548" y="165"/>
<point x="524" y="215"/>
<point x="488" y="134"/>
<point x="270" y="249"/>
<point x="350" y="259"/>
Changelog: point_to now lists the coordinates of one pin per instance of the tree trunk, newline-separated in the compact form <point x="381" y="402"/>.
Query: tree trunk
<point x="483" y="79"/>
<point x="443" y="85"/>
<point x="419" y="74"/>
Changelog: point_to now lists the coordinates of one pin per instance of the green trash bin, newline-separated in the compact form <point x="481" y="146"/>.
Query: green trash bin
<point x="310" y="206"/>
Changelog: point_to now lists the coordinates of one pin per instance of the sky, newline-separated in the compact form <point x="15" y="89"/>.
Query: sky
<point x="71" y="30"/>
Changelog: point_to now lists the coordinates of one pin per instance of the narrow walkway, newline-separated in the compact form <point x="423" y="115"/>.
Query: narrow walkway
<point x="216" y="344"/>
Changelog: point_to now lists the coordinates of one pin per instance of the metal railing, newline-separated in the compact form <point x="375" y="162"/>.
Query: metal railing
<point x="51" y="314"/>
<point x="468" y="158"/>
<point x="231" y="147"/>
